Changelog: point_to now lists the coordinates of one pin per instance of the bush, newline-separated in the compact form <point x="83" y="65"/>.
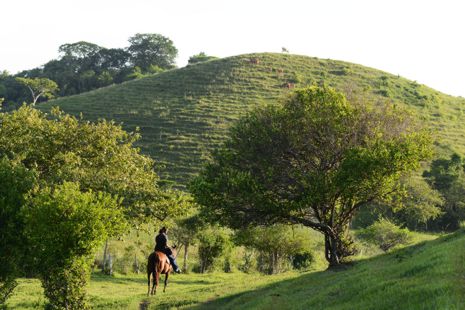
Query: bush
<point x="64" y="286"/>
<point x="64" y="226"/>
<point x="302" y="260"/>
<point x="214" y="243"/>
<point x="15" y="182"/>
<point x="276" y="245"/>
<point x="385" y="234"/>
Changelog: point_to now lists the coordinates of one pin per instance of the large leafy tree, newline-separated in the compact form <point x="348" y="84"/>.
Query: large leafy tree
<point x="313" y="160"/>
<point x="99" y="156"/>
<point x="152" y="49"/>
<point x="84" y="176"/>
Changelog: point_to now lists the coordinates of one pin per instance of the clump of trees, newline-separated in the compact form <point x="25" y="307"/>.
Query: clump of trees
<point x="66" y="185"/>
<point x="84" y="66"/>
<point x="278" y="246"/>
<point x="313" y="160"/>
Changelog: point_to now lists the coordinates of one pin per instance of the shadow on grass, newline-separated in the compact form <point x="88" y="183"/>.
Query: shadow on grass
<point x="336" y="287"/>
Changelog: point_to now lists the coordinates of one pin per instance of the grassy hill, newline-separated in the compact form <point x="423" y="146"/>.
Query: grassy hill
<point x="183" y="114"/>
<point x="428" y="275"/>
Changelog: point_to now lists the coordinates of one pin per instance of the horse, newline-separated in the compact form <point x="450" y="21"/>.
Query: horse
<point x="158" y="263"/>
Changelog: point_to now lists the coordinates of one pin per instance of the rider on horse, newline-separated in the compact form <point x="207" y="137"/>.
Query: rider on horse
<point x="161" y="245"/>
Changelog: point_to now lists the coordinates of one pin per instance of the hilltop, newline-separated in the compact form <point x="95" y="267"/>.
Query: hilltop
<point x="183" y="114"/>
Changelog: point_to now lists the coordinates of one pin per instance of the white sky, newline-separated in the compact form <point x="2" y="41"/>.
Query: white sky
<point x="420" y="40"/>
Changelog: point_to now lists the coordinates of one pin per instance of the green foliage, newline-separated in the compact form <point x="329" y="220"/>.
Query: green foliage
<point x="313" y="160"/>
<point x="39" y="87"/>
<point x="303" y="260"/>
<point x="448" y="177"/>
<point x="15" y="182"/>
<point x="99" y="156"/>
<point x="420" y="204"/>
<point x="200" y="57"/>
<point x="149" y="49"/>
<point x="64" y="226"/>
<point x="214" y="243"/>
<point x="65" y="285"/>
<point x="385" y="234"/>
<point x="278" y="245"/>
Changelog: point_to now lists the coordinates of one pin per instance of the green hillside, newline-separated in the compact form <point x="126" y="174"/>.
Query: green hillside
<point x="428" y="275"/>
<point x="183" y="114"/>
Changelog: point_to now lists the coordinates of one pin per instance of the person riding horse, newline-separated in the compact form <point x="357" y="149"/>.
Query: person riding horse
<point x="161" y="245"/>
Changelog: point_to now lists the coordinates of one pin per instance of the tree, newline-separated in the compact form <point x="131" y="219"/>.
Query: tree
<point x="186" y="233"/>
<point x="419" y="204"/>
<point x="39" y="87"/>
<point x="99" y="156"/>
<point x="15" y="182"/>
<point x="64" y="226"/>
<point x="152" y="49"/>
<point x="81" y="49"/>
<point x="200" y="57"/>
<point x="313" y="160"/>
<point x="448" y="177"/>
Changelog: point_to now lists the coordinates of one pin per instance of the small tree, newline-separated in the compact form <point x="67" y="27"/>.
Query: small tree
<point x="385" y="234"/>
<point x="39" y="87"/>
<point x="313" y="160"/>
<point x="186" y="233"/>
<point x="64" y="226"/>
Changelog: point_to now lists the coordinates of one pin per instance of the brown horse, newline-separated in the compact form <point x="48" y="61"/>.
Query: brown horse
<point x="158" y="263"/>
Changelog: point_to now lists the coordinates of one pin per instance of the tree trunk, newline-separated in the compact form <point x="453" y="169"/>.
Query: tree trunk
<point x="104" y="256"/>
<point x="186" y="248"/>
<point x="331" y="250"/>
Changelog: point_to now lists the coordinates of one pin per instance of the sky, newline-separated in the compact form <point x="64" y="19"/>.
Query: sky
<point x="419" y="40"/>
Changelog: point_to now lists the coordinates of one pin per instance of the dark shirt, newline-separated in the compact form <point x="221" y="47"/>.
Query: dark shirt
<point x="161" y="242"/>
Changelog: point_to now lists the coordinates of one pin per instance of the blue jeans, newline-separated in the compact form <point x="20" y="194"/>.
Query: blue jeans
<point x="173" y="262"/>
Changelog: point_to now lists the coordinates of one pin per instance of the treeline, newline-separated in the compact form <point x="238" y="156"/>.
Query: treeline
<point x="84" y="66"/>
<point x="433" y="201"/>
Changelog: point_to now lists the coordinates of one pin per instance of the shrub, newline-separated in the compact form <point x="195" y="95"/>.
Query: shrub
<point x="385" y="234"/>
<point x="276" y="246"/>
<point x="213" y="244"/>
<point x="302" y="260"/>
<point x="64" y="226"/>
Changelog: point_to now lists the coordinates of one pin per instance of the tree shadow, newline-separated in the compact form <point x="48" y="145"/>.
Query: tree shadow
<point x="335" y="287"/>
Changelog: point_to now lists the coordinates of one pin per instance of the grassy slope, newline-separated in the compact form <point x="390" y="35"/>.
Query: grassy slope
<point x="183" y="114"/>
<point x="428" y="275"/>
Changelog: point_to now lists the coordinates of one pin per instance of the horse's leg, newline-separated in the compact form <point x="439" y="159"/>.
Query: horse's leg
<point x="153" y="283"/>
<point x="157" y="279"/>
<point x="166" y="281"/>
<point x="148" y="282"/>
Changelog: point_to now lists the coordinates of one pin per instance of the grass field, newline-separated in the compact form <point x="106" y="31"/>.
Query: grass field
<point x="426" y="275"/>
<point x="184" y="114"/>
